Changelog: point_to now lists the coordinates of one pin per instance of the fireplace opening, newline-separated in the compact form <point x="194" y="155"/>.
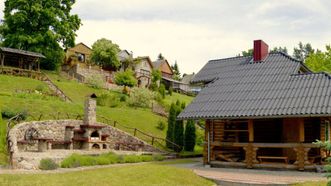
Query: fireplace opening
<point x="95" y="135"/>
<point x="95" y="146"/>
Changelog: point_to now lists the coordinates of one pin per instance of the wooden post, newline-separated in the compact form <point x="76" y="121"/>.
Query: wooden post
<point x="250" y="130"/>
<point x="152" y="140"/>
<point x="2" y="57"/>
<point x="301" y="130"/>
<point x="135" y="132"/>
<point x="115" y="123"/>
<point x="205" y="146"/>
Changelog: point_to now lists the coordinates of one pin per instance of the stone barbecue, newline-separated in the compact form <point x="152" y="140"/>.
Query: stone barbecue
<point x="72" y="135"/>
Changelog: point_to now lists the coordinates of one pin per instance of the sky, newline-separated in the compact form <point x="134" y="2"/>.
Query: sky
<point x="192" y="32"/>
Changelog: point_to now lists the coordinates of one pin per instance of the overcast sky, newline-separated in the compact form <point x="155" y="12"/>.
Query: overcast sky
<point x="194" y="31"/>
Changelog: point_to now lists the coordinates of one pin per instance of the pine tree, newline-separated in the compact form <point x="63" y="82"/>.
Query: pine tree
<point x="171" y="125"/>
<point x="190" y="136"/>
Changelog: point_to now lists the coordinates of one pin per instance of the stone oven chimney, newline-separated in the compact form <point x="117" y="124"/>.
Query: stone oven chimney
<point x="90" y="110"/>
<point x="260" y="50"/>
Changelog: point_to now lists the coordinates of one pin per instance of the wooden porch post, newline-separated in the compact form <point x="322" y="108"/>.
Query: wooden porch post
<point x="250" y="130"/>
<point x="301" y="130"/>
<point x="2" y="57"/>
<point x="206" y="144"/>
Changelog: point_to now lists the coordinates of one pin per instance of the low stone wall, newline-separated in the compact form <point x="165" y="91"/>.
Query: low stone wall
<point x="55" y="129"/>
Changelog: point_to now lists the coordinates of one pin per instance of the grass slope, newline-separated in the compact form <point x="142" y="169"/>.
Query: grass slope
<point x="147" y="174"/>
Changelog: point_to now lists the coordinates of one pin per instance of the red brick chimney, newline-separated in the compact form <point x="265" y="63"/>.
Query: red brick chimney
<point x="260" y="50"/>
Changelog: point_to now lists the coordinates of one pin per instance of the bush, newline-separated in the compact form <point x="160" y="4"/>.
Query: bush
<point x="125" y="78"/>
<point x="141" y="97"/>
<point x="8" y="113"/>
<point x="77" y="160"/>
<point x="170" y="90"/>
<point x="123" y="98"/>
<point x="47" y="164"/>
<point x="41" y="88"/>
<point x="162" y="90"/>
<point x="108" y="100"/>
<point x="96" y="81"/>
<point x="160" y="125"/>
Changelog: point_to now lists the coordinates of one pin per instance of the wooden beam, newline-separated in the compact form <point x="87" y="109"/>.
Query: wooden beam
<point x="250" y="130"/>
<point x="301" y="130"/>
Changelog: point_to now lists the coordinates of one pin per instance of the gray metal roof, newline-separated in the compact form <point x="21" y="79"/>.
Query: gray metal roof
<point x="21" y="52"/>
<point x="272" y="88"/>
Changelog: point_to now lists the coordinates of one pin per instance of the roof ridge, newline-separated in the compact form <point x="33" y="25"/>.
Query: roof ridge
<point x="221" y="59"/>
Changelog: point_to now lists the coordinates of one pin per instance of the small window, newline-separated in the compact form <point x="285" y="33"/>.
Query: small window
<point x="327" y="130"/>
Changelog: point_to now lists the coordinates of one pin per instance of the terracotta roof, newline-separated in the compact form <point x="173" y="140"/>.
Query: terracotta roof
<point x="239" y="88"/>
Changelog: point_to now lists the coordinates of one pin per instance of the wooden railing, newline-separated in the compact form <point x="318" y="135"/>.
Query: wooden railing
<point x="301" y="150"/>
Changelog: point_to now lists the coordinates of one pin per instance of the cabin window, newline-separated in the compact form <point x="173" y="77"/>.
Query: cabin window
<point x="327" y="130"/>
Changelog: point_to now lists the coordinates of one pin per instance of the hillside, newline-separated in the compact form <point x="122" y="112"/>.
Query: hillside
<point x="19" y="94"/>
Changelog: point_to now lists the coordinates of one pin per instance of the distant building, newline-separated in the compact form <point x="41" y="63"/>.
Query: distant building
<point x="187" y="86"/>
<point x="167" y="73"/>
<point x="143" y="71"/>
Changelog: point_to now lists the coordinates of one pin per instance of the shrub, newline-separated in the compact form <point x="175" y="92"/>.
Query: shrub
<point x="158" y="157"/>
<point x="179" y="135"/>
<point x="40" y="88"/>
<point x="160" y="125"/>
<point x="162" y="90"/>
<point x="47" y="164"/>
<point x="190" y="136"/>
<point x="8" y="113"/>
<point x="123" y="98"/>
<point x="171" y="125"/>
<point x="96" y="81"/>
<point x="108" y="100"/>
<point x="76" y="160"/>
<point x="141" y="97"/>
<point x="170" y="90"/>
<point x="125" y="78"/>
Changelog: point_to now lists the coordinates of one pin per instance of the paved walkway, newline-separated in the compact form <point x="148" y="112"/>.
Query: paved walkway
<point x="237" y="176"/>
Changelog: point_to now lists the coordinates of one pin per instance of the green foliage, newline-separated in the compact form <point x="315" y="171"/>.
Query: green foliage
<point x="48" y="164"/>
<point x="141" y="97"/>
<point x="161" y="125"/>
<point x="41" y="88"/>
<point x="109" y="100"/>
<point x="279" y="49"/>
<point x="320" y="61"/>
<point x="171" y="126"/>
<point x="249" y="52"/>
<point x="326" y="146"/>
<point x="183" y="105"/>
<point x="160" y="56"/>
<point x="175" y="69"/>
<point x="162" y="90"/>
<point x="105" y="53"/>
<point x="9" y="113"/>
<point x="156" y="77"/>
<point x="190" y="136"/>
<point x="303" y="51"/>
<point x="170" y="91"/>
<point x="96" y="81"/>
<point x="125" y="78"/>
<point x="77" y="160"/>
<point x="2" y="138"/>
<point x="40" y="26"/>
<point x="179" y="135"/>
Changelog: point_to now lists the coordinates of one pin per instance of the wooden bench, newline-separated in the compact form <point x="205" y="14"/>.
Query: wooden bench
<point x="273" y="158"/>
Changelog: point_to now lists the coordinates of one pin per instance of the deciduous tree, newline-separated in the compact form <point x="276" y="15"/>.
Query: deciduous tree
<point x="303" y="51"/>
<point x="125" y="79"/>
<point x="320" y="61"/>
<point x="105" y="53"/>
<point x="43" y="26"/>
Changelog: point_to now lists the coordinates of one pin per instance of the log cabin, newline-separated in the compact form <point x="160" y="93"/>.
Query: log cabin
<point x="262" y="111"/>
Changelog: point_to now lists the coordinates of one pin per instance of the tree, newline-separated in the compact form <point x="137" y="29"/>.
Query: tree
<point x="156" y="77"/>
<point x="179" y="135"/>
<point x="162" y="90"/>
<point x="160" y="57"/>
<point x="105" y="53"/>
<point x="171" y="125"/>
<point x="130" y="63"/>
<point x="320" y="61"/>
<point x="190" y="136"/>
<point x="279" y="49"/>
<point x="303" y="51"/>
<point x="175" y="69"/>
<point x="249" y="52"/>
<point x="41" y="26"/>
<point x="125" y="79"/>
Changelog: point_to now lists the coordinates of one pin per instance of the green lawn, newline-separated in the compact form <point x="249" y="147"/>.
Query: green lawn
<point x="10" y="84"/>
<point x="147" y="174"/>
<point x="176" y="96"/>
<point x="317" y="183"/>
